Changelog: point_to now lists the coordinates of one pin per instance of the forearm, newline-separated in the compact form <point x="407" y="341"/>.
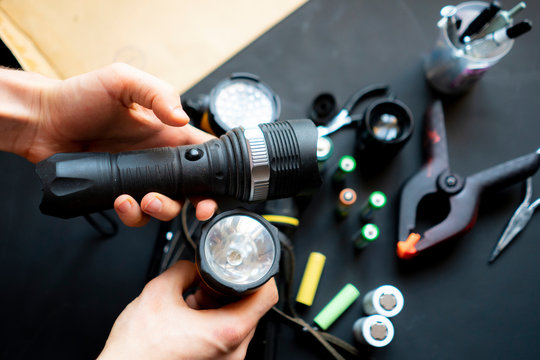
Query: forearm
<point x="20" y="108"/>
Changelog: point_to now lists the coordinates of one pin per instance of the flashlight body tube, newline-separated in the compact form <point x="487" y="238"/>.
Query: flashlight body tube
<point x="281" y="163"/>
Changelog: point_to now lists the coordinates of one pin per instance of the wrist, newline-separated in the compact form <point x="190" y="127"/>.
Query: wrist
<point x="21" y="95"/>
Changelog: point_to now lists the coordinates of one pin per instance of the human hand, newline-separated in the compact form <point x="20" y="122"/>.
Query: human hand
<point x="160" y="324"/>
<point x="116" y="108"/>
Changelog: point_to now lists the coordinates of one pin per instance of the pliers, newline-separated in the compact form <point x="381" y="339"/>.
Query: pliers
<point x="463" y="193"/>
<point x="517" y="222"/>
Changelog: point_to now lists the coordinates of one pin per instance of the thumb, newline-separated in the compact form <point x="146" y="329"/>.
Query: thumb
<point x="180" y="277"/>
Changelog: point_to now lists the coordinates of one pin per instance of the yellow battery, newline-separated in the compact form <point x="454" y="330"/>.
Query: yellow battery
<point x="310" y="280"/>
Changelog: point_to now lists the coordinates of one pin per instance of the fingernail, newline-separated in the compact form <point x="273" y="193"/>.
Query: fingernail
<point x="180" y="113"/>
<point x="124" y="207"/>
<point x="153" y="206"/>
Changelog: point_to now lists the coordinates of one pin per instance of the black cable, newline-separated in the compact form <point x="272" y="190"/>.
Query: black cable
<point x="325" y="339"/>
<point x="183" y="216"/>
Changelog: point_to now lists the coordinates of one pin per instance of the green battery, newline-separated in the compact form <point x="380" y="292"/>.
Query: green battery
<point x="366" y="235"/>
<point x="375" y="201"/>
<point x="336" y="306"/>
<point x="346" y="165"/>
<point x="325" y="149"/>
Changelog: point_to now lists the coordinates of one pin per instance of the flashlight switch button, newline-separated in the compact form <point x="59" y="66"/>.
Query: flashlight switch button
<point x="193" y="154"/>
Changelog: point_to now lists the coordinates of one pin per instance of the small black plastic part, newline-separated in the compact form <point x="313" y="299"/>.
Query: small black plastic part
<point x="519" y="29"/>
<point x="194" y="154"/>
<point x="322" y="108"/>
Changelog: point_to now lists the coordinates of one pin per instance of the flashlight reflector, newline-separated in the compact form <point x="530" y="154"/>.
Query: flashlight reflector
<point x="238" y="252"/>
<point x="242" y="100"/>
<point x="239" y="249"/>
<point x="238" y="101"/>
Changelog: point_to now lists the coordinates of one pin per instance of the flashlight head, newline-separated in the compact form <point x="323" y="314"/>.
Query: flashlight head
<point x="238" y="252"/>
<point x="241" y="100"/>
<point x="385" y="128"/>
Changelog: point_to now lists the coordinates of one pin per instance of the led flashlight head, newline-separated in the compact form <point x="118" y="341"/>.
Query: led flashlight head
<point x="241" y="100"/>
<point x="238" y="252"/>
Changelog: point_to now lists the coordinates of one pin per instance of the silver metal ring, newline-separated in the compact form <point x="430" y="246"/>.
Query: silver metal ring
<point x="259" y="164"/>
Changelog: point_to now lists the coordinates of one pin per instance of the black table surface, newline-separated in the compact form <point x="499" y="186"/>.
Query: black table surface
<point x="62" y="287"/>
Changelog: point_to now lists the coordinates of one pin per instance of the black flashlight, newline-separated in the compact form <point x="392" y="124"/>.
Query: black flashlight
<point x="268" y="161"/>
<point x="238" y="252"/>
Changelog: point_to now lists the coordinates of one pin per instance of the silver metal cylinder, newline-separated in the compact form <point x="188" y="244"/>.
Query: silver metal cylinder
<point x="374" y="330"/>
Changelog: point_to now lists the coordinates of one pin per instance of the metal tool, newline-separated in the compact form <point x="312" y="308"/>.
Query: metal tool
<point x="483" y="18"/>
<point x="344" y="116"/>
<point x="502" y="18"/>
<point x="517" y="222"/>
<point x="449" y="14"/>
<point x="463" y="194"/>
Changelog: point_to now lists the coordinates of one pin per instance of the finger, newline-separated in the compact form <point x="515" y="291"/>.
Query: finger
<point x="205" y="300"/>
<point x="192" y="135"/>
<point x="160" y="206"/>
<point x="247" y="311"/>
<point x="192" y="302"/>
<point x="129" y="211"/>
<point x="136" y="86"/>
<point x="180" y="277"/>
<point x="204" y="208"/>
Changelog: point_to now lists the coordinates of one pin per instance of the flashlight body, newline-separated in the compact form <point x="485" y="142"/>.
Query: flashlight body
<point x="75" y="184"/>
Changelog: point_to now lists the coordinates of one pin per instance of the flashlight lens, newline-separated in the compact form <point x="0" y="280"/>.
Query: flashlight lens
<point x="240" y="101"/>
<point x="386" y="127"/>
<point x="239" y="249"/>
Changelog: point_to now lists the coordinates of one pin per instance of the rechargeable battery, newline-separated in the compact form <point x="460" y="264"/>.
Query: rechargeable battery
<point x="375" y="201"/>
<point x="346" y="199"/>
<point x="366" y="235"/>
<point x="346" y="165"/>
<point x="374" y="330"/>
